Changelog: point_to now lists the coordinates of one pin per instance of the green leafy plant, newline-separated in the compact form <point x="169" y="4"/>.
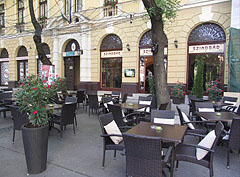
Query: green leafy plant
<point x="177" y="90"/>
<point x="151" y="83"/>
<point x="110" y="3"/>
<point x="198" y="80"/>
<point x="34" y="96"/>
<point x="213" y="90"/>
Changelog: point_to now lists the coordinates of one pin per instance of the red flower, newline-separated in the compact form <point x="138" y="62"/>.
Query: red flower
<point x="48" y="86"/>
<point x="35" y="112"/>
<point x="213" y="89"/>
<point x="171" y="95"/>
<point x="181" y="94"/>
<point x="171" y="88"/>
<point x="177" y="89"/>
<point x="44" y="81"/>
<point x="208" y="89"/>
<point x="56" y="75"/>
<point x="34" y="88"/>
<point x="43" y="87"/>
<point x="60" y="80"/>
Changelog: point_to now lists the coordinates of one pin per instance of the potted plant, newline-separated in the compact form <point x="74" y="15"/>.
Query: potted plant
<point x="177" y="93"/>
<point x="198" y="79"/>
<point x="33" y="97"/>
<point x="213" y="90"/>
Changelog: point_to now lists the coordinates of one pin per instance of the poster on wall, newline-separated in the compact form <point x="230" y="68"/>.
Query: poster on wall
<point x="48" y="73"/>
<point x="129" y="72"/>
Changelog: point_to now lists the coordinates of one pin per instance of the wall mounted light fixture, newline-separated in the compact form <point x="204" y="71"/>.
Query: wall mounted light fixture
<point x="176" y="43"/>
<point x="128" y="47"/>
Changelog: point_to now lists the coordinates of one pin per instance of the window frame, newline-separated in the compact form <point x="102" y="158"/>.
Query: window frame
<point x="20" y="11"/>
<point x="1" y="62"/>
<point x="2" y="15"/>
<point x="24" y="68"/>
<point x="42" y="6"/>
<point x="78" y="6"/>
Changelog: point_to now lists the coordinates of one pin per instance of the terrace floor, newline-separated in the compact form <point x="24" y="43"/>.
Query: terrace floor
<point x="81" y="155"/>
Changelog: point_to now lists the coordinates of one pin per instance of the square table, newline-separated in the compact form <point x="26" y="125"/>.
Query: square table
<point x="133" y="106"/>
<point x="169" y="133"/>
<point x="213" y="116"/>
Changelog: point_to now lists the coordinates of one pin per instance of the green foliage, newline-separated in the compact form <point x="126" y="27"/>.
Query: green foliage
<point x="214" y="92"/>
<point x="110" y="2"/>
<point x="151" y="83"/>
<point x="198" y="80"/>
<point x="169" y="8"/>
<point x="177" y="90"/>
<point x="33" y="97"/>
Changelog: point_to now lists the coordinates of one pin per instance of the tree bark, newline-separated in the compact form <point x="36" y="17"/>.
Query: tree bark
<point x="37" y="36"/>
<point x="158" y="37"/>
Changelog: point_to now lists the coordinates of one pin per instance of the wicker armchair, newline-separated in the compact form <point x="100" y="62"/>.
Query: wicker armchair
<point x="144" y="113"/>
<point x="230" y="108"/>
<point x="144" y="156"/>
<point x="233" y="143"/>
<point x="94" y="104"/>
<point x="190" y="98"/>
<point x="19" y="118"/>
<point x="187" y="152"/>
<point x="72" y="100"/>
<point x="119" y="118"/>
<point x="81" y="97"/>
<point x="197" y="125"/>
<point x="108" y="144"/>
<point x="65" y="118"/>
<point x="164" y="114"/>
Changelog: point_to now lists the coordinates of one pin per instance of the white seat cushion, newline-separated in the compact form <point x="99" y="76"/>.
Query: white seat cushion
<point x="145" y="103"/>
<point x="206" y="110"/>
<point x="186" y="119"/>
<point x="207" y="142"/>
<point x="112" y="128"/>
<point x="105" y="104"/>
<point x="163" y="121"/>
<point x="229" y="102"/>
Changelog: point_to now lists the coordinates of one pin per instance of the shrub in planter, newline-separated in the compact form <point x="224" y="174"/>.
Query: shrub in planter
<point x="33" y="97"/>
<point x="213" y="90"/>
<point x="177" y="93"/>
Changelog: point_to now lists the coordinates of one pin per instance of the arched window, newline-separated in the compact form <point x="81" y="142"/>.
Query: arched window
<point x="207" y="40"/>
<point x="4" y="67"/>
<point x="111" y="62"/>
<point x="22" y="62"/>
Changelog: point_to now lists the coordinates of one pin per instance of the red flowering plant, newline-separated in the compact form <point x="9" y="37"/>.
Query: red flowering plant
<point x="34" y="96"/>
<point x="213" y="90"/>
<point x="177" y="90"/>
<point x="110" y="3"/>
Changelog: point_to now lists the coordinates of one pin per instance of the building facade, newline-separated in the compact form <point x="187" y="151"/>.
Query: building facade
<point x="102" y="46"/>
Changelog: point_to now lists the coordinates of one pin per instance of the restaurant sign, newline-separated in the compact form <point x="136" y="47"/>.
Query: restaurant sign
<point x="71" y="54"/>
<point x="148" y="52"/>
<point x="209" y="48"/>
<point x="111" y="54"/>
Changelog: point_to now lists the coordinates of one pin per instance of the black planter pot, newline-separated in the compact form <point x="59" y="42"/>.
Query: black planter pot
<point x="35" y="141"/>
<point x="177" y="100"/>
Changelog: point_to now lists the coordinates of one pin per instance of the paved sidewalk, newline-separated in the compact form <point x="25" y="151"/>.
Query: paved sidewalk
<point x="81" y="155"/>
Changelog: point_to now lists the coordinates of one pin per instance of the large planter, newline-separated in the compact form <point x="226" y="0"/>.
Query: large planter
<point x="177" y="100"/>
<point x="35" y="141"/>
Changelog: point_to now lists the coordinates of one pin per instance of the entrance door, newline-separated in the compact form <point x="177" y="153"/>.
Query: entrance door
<point x="69" y="72"/>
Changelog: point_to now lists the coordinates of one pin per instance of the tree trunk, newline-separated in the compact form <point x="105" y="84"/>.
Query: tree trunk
<point x="37" y="36"/>
<point x="158" y="37"/>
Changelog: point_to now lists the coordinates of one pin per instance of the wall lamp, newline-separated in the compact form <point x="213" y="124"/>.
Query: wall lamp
<point x="176" y="43"/>
<point x="128" y="47"/>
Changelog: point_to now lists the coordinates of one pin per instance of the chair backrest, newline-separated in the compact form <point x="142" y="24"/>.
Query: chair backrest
<point x="71" y="99"/>
<point x="5" y="95"/>
<point x="106" y="99"/>
<point x="68" y="113"/>
<point x="234" y="138"/>
<point x="116" y="93"/>
<point x="143" y="155"/>
<point x="180" y="115"/>
<point x="238" y="110"/>
<point x="163" y="106"/>
<point x="163" y="114"/>
<point x="104" y="120"/>
<point x="218" y="130"/>
<point x="191" y="97"/>
<point x="19" y="118"/>
<point x="203" y="105"/>
<point x="117" y="114"/>
<point x="124" y="99"/>
<point x="93" y="101"/>
<point x="80" y="96"/>
<point x="145" y="101"/>
<point x="227" y="98"/>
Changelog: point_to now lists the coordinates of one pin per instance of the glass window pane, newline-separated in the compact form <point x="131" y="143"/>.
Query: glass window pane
<point x="4" y="73"/>
<point x="111" y="73"/>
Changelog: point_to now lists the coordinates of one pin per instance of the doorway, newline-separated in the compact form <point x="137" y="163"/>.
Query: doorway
<point x="72" y="72"/>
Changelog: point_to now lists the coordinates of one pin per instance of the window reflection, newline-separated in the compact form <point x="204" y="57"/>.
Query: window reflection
<point x="112" y="73"/>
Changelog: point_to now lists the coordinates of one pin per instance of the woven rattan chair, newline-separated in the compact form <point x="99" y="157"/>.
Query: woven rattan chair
<point x="19" y="118"/>
<point x="66" y="117"/>
<point x="119" y="118"/>
<point x="73" y="99"/>
<point x="94" y="104"/>
<point x="187" y="152"/>
<point x="124" y="98"/>
<point x="164" y="114"/>
<point x="233" y="143"/>
<point x="108" y="144"/>
<point x="190" y="98"/>
<point x="230" y="108"/>
<point x="144" y="113"/>
<point x="81" y="97"/>
<point x="105" y="101"/>
<point x="144" y="156"/>
<point x="198" y="125"/>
